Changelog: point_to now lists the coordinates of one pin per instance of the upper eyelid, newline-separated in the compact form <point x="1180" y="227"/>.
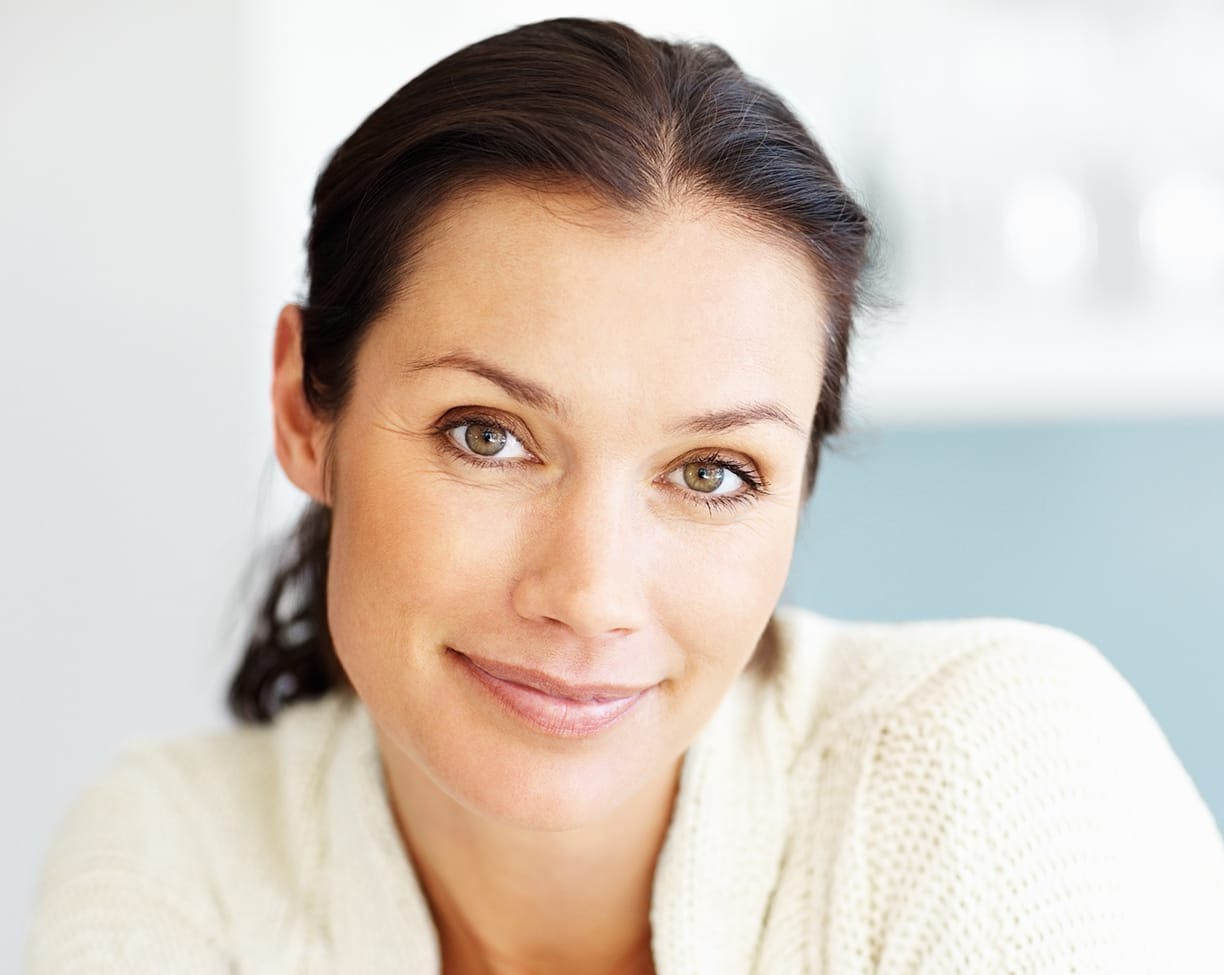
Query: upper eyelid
<point x="489" y="418"/>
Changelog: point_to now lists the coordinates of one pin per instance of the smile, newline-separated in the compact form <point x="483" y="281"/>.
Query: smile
<point x="549" y="704"/>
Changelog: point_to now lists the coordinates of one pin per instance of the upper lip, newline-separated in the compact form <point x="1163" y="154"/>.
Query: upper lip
<point x="555" y="686"/>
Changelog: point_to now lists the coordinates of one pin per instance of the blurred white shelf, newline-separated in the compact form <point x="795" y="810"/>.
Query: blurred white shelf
<point x="919" y="373"/>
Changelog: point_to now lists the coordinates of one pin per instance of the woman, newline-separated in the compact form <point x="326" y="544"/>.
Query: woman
<point x="523" y="700"/>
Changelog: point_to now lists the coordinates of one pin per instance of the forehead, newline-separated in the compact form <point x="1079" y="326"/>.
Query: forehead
<point x="516" y="226"/>
<point x="589" y="297"/>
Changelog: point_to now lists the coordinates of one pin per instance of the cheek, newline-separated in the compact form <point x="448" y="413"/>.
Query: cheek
<point x="724" y="595"/>
<point x="410" y="555"/>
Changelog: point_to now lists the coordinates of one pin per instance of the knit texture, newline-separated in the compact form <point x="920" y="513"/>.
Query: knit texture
<point x="984" y="796"/>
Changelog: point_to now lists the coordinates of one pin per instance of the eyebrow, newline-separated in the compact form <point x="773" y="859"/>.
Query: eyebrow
<point x="532" y="394"/>
<point x="716" y="421"/>
<point x="536" y="396"/>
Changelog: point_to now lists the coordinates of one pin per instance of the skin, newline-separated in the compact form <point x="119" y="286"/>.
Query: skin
<point x="579" y="550"/>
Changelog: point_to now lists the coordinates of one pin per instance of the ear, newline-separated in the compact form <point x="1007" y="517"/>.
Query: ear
<point x="300" y="434"/>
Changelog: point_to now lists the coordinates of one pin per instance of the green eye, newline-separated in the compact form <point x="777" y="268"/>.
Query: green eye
<point x="484" y="440"/>
<point x="704" y="477"/>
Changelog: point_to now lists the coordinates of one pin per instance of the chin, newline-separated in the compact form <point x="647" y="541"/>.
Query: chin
<point x="546" y="789"/>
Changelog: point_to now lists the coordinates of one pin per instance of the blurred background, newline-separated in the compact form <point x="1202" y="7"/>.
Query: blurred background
<point x="1037" y="421"/>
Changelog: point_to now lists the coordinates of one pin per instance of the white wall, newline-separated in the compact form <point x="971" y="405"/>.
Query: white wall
<point x="131" y="390"/>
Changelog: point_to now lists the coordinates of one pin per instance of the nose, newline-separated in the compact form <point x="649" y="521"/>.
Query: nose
<point x="583" y="566"/>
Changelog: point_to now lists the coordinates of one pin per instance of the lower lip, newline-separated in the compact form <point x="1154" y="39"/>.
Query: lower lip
<point x="557" y="716"/>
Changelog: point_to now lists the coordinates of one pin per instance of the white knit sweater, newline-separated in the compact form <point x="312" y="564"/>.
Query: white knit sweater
<point x="982" y="796"/>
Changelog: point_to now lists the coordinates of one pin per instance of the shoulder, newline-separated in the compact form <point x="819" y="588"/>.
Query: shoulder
<point x="1016" y="706"/>
<point x="238" y="780"/>
<point x="995" y="775"/>
<point x="151" y="849"/>
<point x="834" y="672"/>
<point x="994" y="690"/>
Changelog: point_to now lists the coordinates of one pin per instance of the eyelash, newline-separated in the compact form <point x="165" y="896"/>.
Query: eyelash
<point x="753" y="484"/>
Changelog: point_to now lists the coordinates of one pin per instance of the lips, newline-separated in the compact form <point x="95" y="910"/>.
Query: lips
<point x="554" y="686"/>
<point x="550" y="704"/>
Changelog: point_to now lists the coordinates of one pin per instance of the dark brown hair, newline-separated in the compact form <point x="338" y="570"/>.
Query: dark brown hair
<point x="577" y="103"/>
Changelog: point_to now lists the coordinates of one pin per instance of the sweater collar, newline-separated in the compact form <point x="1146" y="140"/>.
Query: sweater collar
<point x="724" y="847"/>
<point x="379" y="916"/>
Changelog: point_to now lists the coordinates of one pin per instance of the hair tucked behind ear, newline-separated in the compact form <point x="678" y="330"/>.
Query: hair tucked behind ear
<point x="571" y="103"/>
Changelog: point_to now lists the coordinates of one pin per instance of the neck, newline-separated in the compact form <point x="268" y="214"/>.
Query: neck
<point x="508" y="900"/>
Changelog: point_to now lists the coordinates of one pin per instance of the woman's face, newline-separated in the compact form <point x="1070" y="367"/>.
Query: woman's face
<point x="565" y="492"/>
